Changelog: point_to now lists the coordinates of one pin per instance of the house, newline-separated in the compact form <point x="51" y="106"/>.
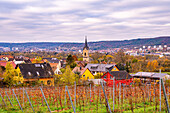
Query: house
<point x="151" y="76"/>
<point x="122" y="77"/>
<point x="78" y="70"/>
<point x="56" y="67"/>
<point x="38" y="71"/>
<point x="86" y="74"/>
<point x="54" y="63"/>
<point x="101" y="68"/>
<point x="5" y="57"/>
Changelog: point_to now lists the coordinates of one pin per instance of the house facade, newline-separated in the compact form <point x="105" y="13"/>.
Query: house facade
<point x="86" y="74"/>
<point x="120" y="77"/>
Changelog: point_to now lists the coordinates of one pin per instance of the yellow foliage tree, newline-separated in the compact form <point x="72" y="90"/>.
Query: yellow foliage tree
<point x="12" y="76"/>
<point x="152" y="65"/>
<point x="69" y="77"/>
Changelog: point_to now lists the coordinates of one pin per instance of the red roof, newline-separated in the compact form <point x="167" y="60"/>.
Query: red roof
<point x="5" y="63"/>
<point x="8" y="56"/>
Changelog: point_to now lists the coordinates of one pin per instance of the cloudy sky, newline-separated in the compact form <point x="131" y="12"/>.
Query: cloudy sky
<point x="71" y="20"/>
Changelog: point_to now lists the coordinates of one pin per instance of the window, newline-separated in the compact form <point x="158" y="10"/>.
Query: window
<point x="42" y="66"/>
<point x="49" y="72"/>
<point x="42" y="82"/>
<point x="87" y="77"/>
<point x="37" y="65"/>
<point x="83" y="75"/>
<point x="38" y="73"/>
<point x="104" y="77"/>
<point x="84" y="54"/>
<point x="48" y="82"/>
<point x="29" y="73"/>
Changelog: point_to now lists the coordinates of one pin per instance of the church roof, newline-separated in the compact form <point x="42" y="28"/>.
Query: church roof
<point x="86" y="46"/>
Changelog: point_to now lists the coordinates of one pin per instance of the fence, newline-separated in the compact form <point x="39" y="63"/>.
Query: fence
<point x="120" y="98"/>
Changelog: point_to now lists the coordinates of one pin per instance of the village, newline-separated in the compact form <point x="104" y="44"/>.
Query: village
<point x="69" y="80"/>
<point x="50" y="70"/>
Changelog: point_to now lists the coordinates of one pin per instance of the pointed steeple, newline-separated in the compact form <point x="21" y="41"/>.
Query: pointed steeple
<point x="86" y="46"/>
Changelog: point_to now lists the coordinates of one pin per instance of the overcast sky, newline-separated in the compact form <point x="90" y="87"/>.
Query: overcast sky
<point x="71" y="20"/>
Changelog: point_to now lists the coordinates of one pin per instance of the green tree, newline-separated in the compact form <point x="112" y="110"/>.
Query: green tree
<point x="70" y="59"/>
<point x="73" y="65"/>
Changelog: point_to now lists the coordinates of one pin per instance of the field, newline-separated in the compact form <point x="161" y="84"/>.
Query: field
<point x="84" y="99"/>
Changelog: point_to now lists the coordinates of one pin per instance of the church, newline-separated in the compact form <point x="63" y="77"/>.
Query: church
<point x="86" y="51"/>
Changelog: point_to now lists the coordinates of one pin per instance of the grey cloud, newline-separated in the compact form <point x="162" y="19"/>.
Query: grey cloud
<point x="57" y="20"/>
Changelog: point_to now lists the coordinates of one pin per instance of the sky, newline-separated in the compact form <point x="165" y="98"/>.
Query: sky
<point x="72" y="20"/>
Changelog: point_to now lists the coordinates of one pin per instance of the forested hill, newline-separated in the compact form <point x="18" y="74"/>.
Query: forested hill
<point x="94" y="45"/>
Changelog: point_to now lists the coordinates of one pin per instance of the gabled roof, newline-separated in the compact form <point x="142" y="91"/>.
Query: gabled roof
<point x="149" y="75"/>
<point x="83" y="71"/>
<point x="8" y="56"/>
<point x="2" y="63"/>
<point x="37" y="70"/>
<point x="78" y="69"/>
<point x="120" y="75"/>
<point x="100" y="67"/>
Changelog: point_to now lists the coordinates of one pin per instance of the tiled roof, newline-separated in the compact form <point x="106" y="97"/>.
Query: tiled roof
<point x="37" y="70"/>
<point x="2" y="63"/>
<point x="119" y="75"/>
<point x="78" y="69"/>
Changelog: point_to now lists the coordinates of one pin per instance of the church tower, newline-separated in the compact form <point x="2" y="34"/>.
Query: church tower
<point x="86" y="51"/>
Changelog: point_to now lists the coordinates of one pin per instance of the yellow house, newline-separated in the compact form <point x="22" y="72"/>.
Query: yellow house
<point x="41" y="72"/>
<point x="86" y="74"/>
<point x="115" y="69"/>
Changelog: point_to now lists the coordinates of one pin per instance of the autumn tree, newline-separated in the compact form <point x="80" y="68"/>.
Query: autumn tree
<point x="12" y="76"/>
<point x="69" y="77"/>
<point x="109" y="58"/>
<point x="37" y="60"/>
<point x="120" y="57"/>
<point x="152" y="65"/>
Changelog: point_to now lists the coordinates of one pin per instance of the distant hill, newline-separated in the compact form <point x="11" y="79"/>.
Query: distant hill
<point x="94" y="45"/>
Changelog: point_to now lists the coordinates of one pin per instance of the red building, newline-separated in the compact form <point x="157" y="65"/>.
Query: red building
<point x="120" y="77"/>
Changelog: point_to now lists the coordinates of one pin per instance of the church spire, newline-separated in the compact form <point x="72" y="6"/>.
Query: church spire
<point x="86" y="46"/>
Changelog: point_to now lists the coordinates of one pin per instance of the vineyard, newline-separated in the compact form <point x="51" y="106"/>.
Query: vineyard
<point x="137" y="98"/>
